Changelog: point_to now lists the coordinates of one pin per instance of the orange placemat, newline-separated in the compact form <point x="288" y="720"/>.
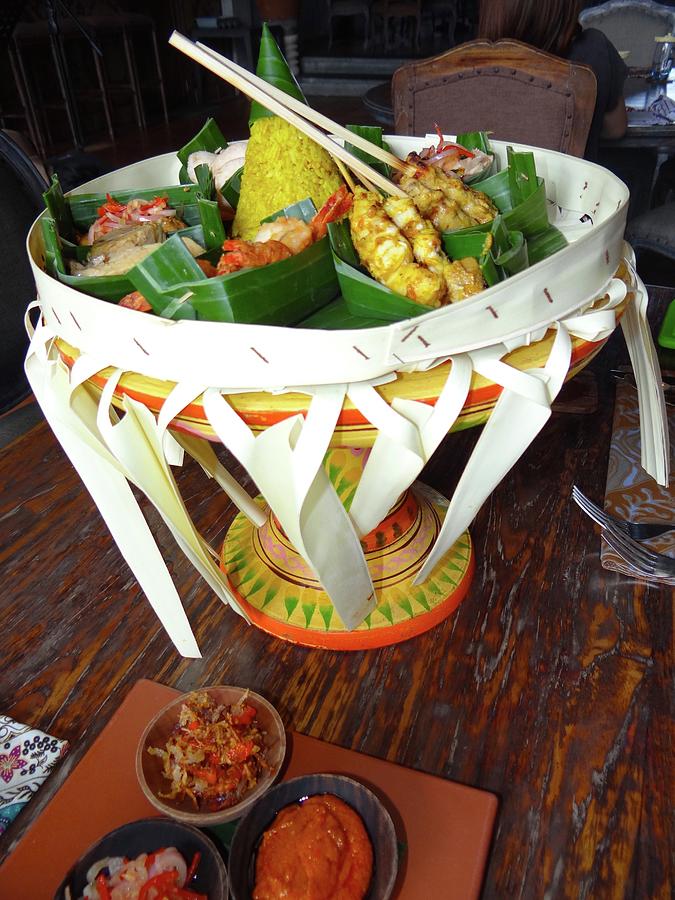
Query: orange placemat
<point x="445" y="826"/>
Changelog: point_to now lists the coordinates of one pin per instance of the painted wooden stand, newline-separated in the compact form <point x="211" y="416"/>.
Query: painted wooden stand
<point x="282" y="595"/>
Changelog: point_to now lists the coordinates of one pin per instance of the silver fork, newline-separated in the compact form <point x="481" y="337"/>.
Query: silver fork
<point x="639" y="531"/>
<point x="645" y="562"/>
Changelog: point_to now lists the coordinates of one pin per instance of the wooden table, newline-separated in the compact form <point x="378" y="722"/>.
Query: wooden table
<point x="639" y="94"/>
<point x="549" y="686"/>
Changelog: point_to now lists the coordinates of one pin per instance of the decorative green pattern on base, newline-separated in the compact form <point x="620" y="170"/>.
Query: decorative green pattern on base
<point x="266" y="571"/>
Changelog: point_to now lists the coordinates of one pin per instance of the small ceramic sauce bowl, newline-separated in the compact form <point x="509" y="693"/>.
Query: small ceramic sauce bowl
<point x="375" y="817"/>
<point x="148" y="836"/>
<point x="149" y="768"/>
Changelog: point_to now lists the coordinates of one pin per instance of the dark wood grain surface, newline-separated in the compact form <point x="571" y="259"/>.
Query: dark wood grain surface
<point x="551" y="685"/>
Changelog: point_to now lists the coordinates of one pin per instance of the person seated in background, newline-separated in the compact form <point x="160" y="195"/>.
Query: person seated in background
<point x="553" y="26"/>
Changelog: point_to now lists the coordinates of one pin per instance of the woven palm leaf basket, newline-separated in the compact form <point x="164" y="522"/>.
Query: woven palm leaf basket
<point x="343" y="548"/>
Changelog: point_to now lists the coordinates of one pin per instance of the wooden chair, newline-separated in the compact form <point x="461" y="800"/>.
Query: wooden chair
<point x="631" y="25"/>
<point x="517" y="92"/>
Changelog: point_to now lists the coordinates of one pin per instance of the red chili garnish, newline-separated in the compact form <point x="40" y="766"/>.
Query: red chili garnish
<point x="235" y="773"/>
<point x="192" y="871"/>
<point x="240" y="752"/>
<point x="210" y="776"/>
<point x="462" y="152"/>
<point x="101" y="883"/>
<point x="164" y="882"/>
<point x="246" y="716"/>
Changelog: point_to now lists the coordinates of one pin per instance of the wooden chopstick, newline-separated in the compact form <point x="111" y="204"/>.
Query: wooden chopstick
<point x="210" y="62"/>
<point x="317" y="118"/>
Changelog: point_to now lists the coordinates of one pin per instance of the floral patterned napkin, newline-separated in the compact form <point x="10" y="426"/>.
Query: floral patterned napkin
<point x="630" y="493"/>
<point x="27" y="756"/>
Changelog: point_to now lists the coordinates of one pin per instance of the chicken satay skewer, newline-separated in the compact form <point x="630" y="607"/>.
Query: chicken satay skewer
<point x="206" y="59"/>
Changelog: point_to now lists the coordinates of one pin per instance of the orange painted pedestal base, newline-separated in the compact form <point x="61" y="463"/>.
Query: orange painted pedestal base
<point x="281" y="594"/>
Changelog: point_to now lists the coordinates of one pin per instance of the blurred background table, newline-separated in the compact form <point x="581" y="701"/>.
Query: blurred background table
<point x="643" y="129"/>
<point x="551" y="685"/>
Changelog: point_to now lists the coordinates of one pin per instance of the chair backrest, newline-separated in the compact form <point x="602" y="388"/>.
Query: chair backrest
<point x="515" y="91"/>
<point x="631" y="25"/>
<point x="21" y="187"/>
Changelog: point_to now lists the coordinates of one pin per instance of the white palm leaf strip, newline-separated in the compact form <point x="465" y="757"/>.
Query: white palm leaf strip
<point x="281" y="109"/>
<point x="597" y="323"/>
<point x="136" y="442"/>
<point x="202" y="452"/>
<point x="286" y="463"/>
<point x="654" y="438"/>
<point x="71" y="414"/>
<point x="520" y="413"/>
<point x="408" y="434"/>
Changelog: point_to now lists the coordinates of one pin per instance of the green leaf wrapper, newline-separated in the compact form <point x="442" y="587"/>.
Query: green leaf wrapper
<point x="498" y="189"/>
<point x="491" y="272"/>
<point x="522" y="175"/>
<point x="363" y="296"/>
<point x="232" y="188"/>
<point x="531" y="215"/>
<point x="336" y="316"/>
<point x="273" y="68"/>
<point x="183" y="198"/>
<point x="282" y="293"/>
<point x="105" y="287"/>
<point x="205" y="182"/>
<point x="475" y="140"/>
<point x="545" y="244"/>
<point x="213" y="230"/>
<point x="60" y="210"/>
<point x="372" y="133"/>
<point x="515" y="257"/>
<point x="460" y="244"/>
<point x="54" y="263"/>
<point x="209" y="137"/>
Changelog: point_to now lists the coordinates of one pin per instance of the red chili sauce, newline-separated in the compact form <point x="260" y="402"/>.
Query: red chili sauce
<point x="314" y="850"/>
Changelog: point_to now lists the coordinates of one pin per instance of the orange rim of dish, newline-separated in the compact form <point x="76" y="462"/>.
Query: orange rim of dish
<point x="362" y="640"/>
<point x="350" y="420"/>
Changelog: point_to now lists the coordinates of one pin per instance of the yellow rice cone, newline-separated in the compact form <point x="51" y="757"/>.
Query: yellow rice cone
<point x="281" y="167"/>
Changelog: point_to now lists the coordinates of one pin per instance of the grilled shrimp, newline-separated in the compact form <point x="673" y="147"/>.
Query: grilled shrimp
<point x="240" y="254"/>
<point x="387" y="255"/>
<point x="293" y="233"/>
<point x="298" y="235"/>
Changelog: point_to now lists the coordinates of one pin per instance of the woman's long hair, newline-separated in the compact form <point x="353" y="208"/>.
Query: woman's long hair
<point x="547" y="24"/>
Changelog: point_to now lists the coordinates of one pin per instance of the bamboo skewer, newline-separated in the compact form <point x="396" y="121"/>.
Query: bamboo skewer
<point x="213" y="64"/>
<point x="346" y="174"/>
<point x="312" y="115"/>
